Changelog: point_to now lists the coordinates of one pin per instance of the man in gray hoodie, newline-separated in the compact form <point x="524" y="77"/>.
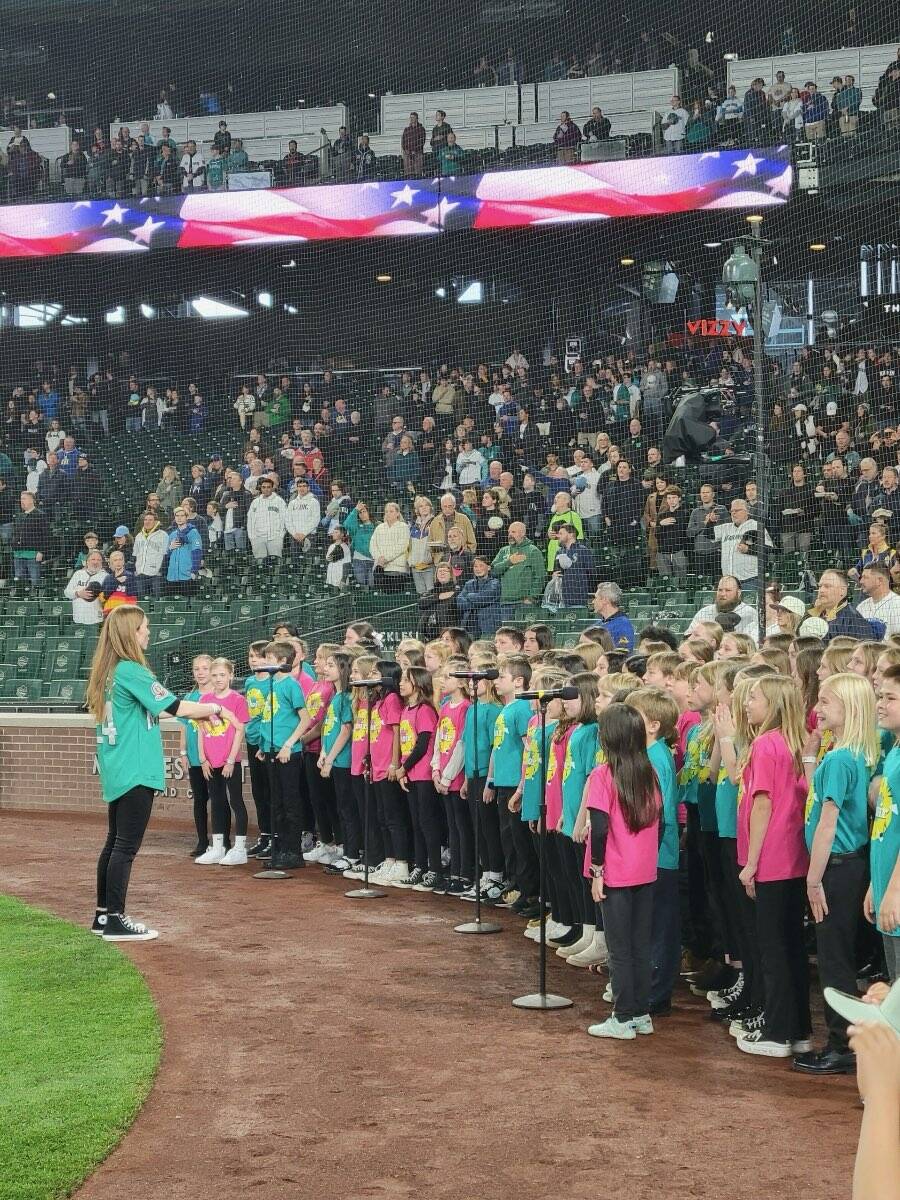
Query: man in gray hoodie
<point x="704" y="551"/>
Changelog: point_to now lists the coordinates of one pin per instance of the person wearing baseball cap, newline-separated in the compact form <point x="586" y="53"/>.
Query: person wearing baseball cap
<point x="789" y="613"/>
<point x="813" y="627"/>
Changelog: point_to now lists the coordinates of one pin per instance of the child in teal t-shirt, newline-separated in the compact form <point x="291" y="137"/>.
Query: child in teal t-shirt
<point x="504" y="774"/>
<point x="279" y="729"/>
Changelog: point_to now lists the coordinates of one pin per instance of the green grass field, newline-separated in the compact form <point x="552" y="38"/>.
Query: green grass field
<point x="80" y="1042"/>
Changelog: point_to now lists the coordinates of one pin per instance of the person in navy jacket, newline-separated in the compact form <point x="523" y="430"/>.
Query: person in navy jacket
<point x="479" y="600"/>
<point x="607" y="602"/>
<point x="574" y="565"/>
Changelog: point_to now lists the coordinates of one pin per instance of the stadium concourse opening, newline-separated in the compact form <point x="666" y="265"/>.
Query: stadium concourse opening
<point x="463" y="473"/>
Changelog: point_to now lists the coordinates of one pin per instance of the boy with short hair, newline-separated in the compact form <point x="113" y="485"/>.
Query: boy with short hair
<point x="279" y="744"/>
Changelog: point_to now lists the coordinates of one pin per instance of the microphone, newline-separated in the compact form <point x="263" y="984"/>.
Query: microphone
<point x="368" y="683"/>
<point x="491" y="673"/>
<point x="564" y="693"/>
<point x="268" y="670"/>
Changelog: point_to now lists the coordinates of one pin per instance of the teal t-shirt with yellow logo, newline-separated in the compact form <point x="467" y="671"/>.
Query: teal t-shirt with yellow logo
<point x="531" y="769"/>
<point x="339" y="714"/>
<point x="726" y="805"/>
<point x="279" y="720"/>
<point x="885" y="845"/>
<point x="581" y="755"/>
<point x="694" y="777"/>
<point x="663" y="762"/>
<point x="843" y="778"/>
<point x="255" y="692"/>
<point x="509" y="738"/>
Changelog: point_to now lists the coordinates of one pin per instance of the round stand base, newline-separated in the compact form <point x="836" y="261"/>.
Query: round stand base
<point x="478" y="927"/>
<point x="545" y="1000"/>
<point x="271" y="873"/>
<point x="365" y="893"/>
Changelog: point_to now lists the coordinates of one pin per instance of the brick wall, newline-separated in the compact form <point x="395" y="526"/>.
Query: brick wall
<point x="47" y="763"/>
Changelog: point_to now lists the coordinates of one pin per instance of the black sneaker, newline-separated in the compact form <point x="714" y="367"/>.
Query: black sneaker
<point x="200" y="848"/>
<point x="741" y="1007"/>
<point x="120" y="928"/>
<point x="414" y="878"/>
<point x="261" y="847"/>
<point x="523" y="903"/>
<point x="287" y="862"/>
<point x="98" y="925"/>
<point x="442" y="885"/>
<point x="456" y="887"/>
<point x="574" y="935"/>
<point x="427" y="882"/>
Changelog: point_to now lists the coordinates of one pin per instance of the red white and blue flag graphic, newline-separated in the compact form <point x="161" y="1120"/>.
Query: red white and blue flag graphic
<point x="533" y="196"/>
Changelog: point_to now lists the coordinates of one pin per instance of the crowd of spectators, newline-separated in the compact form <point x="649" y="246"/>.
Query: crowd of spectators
<point x="532" y="483"/>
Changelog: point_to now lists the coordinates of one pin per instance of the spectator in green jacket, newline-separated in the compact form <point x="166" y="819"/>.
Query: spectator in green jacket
<point x="522" y="572"/>
<point x="278" y="408"/>
<point x="360" y="527"/>
<point x="237" y="160"/>
<point x="451" y="156"/>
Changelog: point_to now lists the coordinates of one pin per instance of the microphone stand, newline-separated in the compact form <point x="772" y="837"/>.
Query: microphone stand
<point x="366" y="892"/>
<point x="541" y="999"/>
<point x="477" y="926"/>
<point x="272" y="872"/>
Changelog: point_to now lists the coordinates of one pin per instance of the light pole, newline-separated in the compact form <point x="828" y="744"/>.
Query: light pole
<point x="743" y="277"/>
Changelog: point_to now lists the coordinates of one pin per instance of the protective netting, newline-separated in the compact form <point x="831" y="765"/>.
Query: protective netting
<point x="242" y="258"/>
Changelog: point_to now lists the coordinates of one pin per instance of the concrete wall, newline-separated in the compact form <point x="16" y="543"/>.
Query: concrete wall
<point x="47" y="763"/>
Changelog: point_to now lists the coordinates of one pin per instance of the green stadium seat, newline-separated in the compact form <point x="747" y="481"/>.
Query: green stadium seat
<point x="25" y="690"/>
<point x="62" y="664"/>
<point x="7" y="672"/>
<point x="69" y="690"/>
<point x="26" y="662"/>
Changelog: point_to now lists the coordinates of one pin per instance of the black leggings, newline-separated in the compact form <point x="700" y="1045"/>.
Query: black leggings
<point x="224" y="793"/>
<point x="128" y="819"/>
<point x="259" y="784"/>
<point x="346" y="804"/>
<point x="200" y="792"/>
<point x="427" y="823"/>
<point x="579" y="885"/>
<point x="324" y="801"/>
<point x="284" y="789"/>
<point x="460" y="836"/>
<point x="491" y="849"/>
<point x="561" y="907"/>
<point x="395" y="810"/>
<point x="376" y="842"/>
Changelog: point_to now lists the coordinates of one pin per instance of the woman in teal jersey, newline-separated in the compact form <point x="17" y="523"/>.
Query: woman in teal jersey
<point x="127" y="701"/>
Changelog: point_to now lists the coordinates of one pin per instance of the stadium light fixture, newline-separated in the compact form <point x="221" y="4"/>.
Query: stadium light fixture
<point x="212" y="310"/>
<point x="817" y="247"/>
<point x="440" y="292"/>
<point x="383" y="278"/>
<point x="712" y="245"/>
<point x="627" y="262"/>
<point x="116" y="316"/>
<point x="754" y="219"/>
<point x="266" y="299"/>
<point x="148" y="311"/>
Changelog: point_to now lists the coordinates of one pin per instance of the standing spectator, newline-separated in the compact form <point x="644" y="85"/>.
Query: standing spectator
<point x="607" y="605"/>
<point x="479" y="600"/>
<point x="216" y="176"/>
<point x="792" y="115"/>
<point x="847" y="103"/>
<point x="342" y="156"/>
<point x="167" y="179"/>
<point x="86" y="608"/>
<point x="566" y="139"/>
<point x="484" y="74"/>
<point x="389" y="548"/>
<point x="756" y="114"/>
<point x="302" y="518"/>
<point x="192" y="167"/>
<point x="623" y="506"/>
<point x="184" y="554"/>
<point x="886" y="98"/>
<point x="446" y="519"/>
<point x="598" y="127"/>
<point x="266" y="522"/>
<point x="222" y="139"/>
<point x="234" y="501"/>
<point x="815" y="113"/>
<point x="778" y="93"/>
<point x="555" y="69"/>
<point x="238" y="160"/>
<point x="169" y="489"/>
<point x="53" y="487"/>
<point x="451" y="157"/>
<point x="440" y="131"/>
<point x="412" y="146"/>
<point x="84" y="490"/>
<point x="730" y="116"/>
<point x="510" y="70"/>
<point x="30" y="540"/>
<point x="73" y="168"/>
<point x="151" y="544"/>
<point x="674" y="126"/>
<point x="671" y="535"/>
<point x="364" y="161"/>
<point x="574" y="567"/>
<point x="522" y="572"/>
<point x="797" y="510"/>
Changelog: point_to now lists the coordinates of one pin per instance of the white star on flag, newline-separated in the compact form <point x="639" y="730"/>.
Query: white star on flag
<point x="82" y="204"/>
<point x="438" y="214"/>
<point x="143" y="233"/>
<point x="404" y="196"/>
<point x="781" y="184"/>
<point x="710" y="154"/>
<point x="746" y="166"/>
<point x="116" y="213"/>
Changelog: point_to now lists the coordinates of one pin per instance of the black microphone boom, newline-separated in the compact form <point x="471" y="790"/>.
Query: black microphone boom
<point x="492" y="673"/>
<point x="368" y="683"/>
<point x="564" y="693"/>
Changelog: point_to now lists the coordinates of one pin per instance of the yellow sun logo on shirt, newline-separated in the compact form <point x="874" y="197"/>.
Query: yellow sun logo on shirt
<point x="810" y="803"/>
<point x="567" y="762"/>
<point x="314" y="704"/>
<point x="377" y="725"/>
<point x="884" y="812"/>
<point x="600" y="757"/>
<point x="499" y="730"/>
<point x="551" y="767"/>
<point x="256" y="701"/>
<point x="359" y="726"/>
<point x="723" y="775"/>
<point x="825" y="745"/>
<point x="329" y="722"/>
<point x="407" y="737"/>
<point x="446" y="734"/>
<point x="270" y="709"/>
<point x="531" y="756"/>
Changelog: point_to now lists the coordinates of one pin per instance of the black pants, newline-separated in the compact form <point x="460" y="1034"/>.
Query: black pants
<point x="375" y="846"/>
<point x="284" y="789"/>
<point x="748" y="938"/>
<point x="699" y="933"/>
<point x="396" y="819"/>
<point x="349" y="814"/>
<point x="491" y="849"/>
<point x="628" y="922"/>
<point x="460" y="836"/>
<point x="845" y="881"/>
<point x="259" y="784"/>
<point x="577" y="882"/>
<point x="128" y="818"/>
<point x="200" y="792"/>
<point x="226" y="797"/>
<point x="780" y="908"/>
<point x="724" y="934"/>
<point x="561" y="907"/>
<point x="665" y="950"/>
<point x="505" y="820"/>
<point x="324" y="802"/>
<point x="427" y="824"/>
<point x="731" y="900"/>
<point x="527" y="868"/>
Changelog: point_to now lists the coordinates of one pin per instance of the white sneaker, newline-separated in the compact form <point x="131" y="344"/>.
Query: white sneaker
<point x="556" y="929"/>
<point x="214" y="855"/>
<point x="622" y="1031"/>
<point x="576" y="948"/>
<point x="382" y="871"/>
<point x="533" y="935"/>
<point x="398" y="875"/>
<point x="594" y="955"/>
<point x="330" y="855"/>
<point x="236" y="857"/>
<point x="357" y="871"/>
<point x="316" y="853"/>
<point x="757" y="1043"/>
<point x="607" y="994"/>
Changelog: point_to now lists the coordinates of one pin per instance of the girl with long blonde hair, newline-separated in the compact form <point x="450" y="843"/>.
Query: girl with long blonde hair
<point x="772" y="854"/>
<point x="837" y="836"/>
<point x="126" y="700"/>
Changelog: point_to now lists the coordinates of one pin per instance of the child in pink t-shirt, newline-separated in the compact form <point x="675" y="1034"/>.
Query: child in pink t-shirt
<point x="447" y="775"/>
<point x="220" y="743"/>
<point x="393" y="810"/>
<point x="625" y="812"/>
<point x="364" y="667"/>
<point x="418" y="723"/>
<point x="771" y="851"/>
